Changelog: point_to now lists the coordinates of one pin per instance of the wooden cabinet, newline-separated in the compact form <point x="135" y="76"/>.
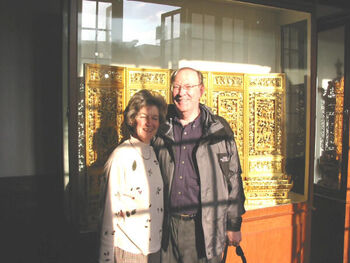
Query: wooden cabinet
<point x="276" y="234"/>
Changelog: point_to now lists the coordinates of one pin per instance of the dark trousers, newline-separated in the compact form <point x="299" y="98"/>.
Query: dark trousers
<point x="186" y="243"/>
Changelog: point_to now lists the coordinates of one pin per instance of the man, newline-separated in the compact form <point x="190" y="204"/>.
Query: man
<point x="204" y="197"/>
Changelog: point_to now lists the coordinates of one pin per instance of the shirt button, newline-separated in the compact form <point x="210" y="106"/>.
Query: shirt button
<point x="182" y="162"/>
<point x="179" y="193"/>
<point x="180" y="177"/>
<point x="185" y="133"/>
<point x="184" y="147"/>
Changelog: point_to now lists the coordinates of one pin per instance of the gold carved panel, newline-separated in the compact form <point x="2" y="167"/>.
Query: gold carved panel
<point x="227" y="100"/>
<point x="266" y="180"/>
<point x="101" y="109"/>
<point x="338" y="122"/>
<point x="155" y="80"/>
<point x="252" y="104"/>
<point x="232" y="108"/>
<point x="103" y="105"/>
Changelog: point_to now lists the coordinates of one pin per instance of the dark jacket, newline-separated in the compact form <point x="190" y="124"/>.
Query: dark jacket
<point x="218" y="166"/>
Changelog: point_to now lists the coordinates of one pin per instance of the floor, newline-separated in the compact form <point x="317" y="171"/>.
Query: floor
<point x="32" y="238"/>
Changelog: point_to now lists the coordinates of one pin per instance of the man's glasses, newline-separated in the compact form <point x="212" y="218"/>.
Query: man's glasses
<point x="177" y="87"/>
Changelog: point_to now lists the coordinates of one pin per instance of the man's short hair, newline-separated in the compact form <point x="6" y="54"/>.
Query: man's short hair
<point x="173" y="75"/>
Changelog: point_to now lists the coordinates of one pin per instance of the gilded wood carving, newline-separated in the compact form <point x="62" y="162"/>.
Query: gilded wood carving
<point x="252" y="104"/>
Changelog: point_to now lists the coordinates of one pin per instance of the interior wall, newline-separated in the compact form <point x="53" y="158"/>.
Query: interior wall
<point x="30" y="81"/>
<point x="31" y="126"/>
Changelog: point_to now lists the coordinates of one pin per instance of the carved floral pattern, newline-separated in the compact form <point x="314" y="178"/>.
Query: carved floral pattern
<point x="265" y="123"/>
<point x="101" y="105"/>
<point x="229" y="105"/>
<point x="144" y="77"/>
<point x="228" y="80"/>
<point x="104" y="74"/>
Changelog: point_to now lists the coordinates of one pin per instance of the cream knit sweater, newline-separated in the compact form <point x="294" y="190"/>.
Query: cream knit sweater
<point x="135" y="187"/>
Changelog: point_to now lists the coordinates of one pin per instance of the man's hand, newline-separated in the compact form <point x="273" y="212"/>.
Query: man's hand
<point x="234" y="238"/>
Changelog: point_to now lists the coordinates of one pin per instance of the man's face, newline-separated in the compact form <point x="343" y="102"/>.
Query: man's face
<point x="187" y="91"/>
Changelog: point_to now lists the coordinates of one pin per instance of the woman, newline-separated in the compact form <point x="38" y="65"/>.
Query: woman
<point x="133" y="215"/>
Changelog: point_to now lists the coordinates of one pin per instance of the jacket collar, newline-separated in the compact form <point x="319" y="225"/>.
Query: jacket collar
<point x="211" y="125"/>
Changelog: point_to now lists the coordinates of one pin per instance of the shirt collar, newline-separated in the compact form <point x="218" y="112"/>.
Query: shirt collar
<point x="195" y="123"/>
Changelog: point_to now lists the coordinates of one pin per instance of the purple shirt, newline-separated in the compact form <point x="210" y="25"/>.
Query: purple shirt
<point x="185" y="192"/>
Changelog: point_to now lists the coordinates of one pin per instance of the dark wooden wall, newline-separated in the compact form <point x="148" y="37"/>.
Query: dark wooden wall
<point x="31" y="157"/>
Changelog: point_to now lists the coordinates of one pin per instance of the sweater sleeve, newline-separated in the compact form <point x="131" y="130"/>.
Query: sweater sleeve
<point x="113" y="205"/>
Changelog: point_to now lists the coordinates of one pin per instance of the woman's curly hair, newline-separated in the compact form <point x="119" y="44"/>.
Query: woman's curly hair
<point x="141" y="99"/>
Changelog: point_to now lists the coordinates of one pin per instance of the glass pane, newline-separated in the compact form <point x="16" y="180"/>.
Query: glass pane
<point x="104" y="15"/>
<point x="102" y="36"/>
<point x="209" y="27"/>
<point x="228" y="50"/>
<point x="176" y="48"/>
<point x="238" y="31"/>
<point x="329" y="110"/>
<point x="197" y="51"/>
<point x="88" y="35"/>
<point x="176" y="26"/>
<point x="294" y="50"/>
<point x="227" y="29"/>
<point x="167" y="28"/>
<point x="197" y="25"/>
<point x="268" y="46"/>
<point x="209" y="50"/>
<point x="89" y="14"/>
<point x="167" y="50"/>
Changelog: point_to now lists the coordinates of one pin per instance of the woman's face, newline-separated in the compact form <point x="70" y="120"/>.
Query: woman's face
<point x="147" y="123"/>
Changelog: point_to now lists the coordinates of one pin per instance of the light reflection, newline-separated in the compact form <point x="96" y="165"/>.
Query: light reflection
<point x="224" y="67"/>
<point x="141" y="20"/>
<point x="325" y="84"/>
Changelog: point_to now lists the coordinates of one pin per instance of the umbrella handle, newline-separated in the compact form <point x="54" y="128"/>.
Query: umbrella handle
<point x="239" y="252"/>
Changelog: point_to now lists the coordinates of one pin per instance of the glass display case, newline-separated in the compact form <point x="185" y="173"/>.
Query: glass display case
<point x="256" y="62"/>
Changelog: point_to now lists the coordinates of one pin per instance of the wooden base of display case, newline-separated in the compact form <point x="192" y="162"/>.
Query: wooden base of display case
<point x="274" y="234"/>
<point x="346" y="233"/>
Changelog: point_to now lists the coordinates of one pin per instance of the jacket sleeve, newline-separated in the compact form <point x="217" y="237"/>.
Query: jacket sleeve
<point x="235" y="186"/>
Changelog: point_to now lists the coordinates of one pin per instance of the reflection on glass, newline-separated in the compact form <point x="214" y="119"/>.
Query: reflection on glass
<point x="216" y="37"/>
<point x="330" y="103"/>
<point x="167" y="28"/>
<point x="89" y="14"/>
<point x="294" y="64"/>
<point x="176" y="29"/>
<point x="140" y="34"/>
